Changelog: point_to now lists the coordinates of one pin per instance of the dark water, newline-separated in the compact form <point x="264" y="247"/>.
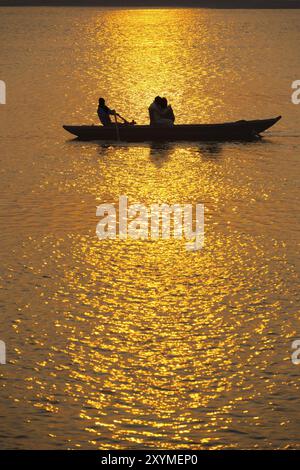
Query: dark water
<point x="141" y="344"/>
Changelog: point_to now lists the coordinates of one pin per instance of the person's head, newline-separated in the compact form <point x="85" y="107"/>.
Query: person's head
<point x="164" y="102"/>
<point x="101" y="102"/>
<point x="157" y="100"/>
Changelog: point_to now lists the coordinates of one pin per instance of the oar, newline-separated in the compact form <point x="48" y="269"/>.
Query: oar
<point x="117" y="127"/>
<point x="125" y="120"/>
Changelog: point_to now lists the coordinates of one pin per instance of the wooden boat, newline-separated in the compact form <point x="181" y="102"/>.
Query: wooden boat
<point x="240" y="130"/>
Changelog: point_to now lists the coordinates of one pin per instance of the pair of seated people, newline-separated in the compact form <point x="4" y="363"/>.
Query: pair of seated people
<point x="160" y="113"/>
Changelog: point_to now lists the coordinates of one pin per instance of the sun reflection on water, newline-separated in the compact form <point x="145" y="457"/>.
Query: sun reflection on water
<point x="141" y="344"/>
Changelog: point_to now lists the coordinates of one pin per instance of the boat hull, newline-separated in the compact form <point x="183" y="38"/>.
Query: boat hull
<point x="240" y="130"/>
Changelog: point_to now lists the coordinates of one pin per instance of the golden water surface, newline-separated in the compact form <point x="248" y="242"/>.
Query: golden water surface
<point x="142" y="344"/>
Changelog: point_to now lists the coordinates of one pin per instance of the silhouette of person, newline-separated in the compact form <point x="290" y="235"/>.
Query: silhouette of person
<point x="104" y="113"/>
<point x="160" y="113"/>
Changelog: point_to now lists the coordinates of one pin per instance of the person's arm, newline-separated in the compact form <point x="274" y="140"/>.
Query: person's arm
<point x="113" y="112"/>
<point x="172" y="115"/>
<point x="151" y="115"/>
